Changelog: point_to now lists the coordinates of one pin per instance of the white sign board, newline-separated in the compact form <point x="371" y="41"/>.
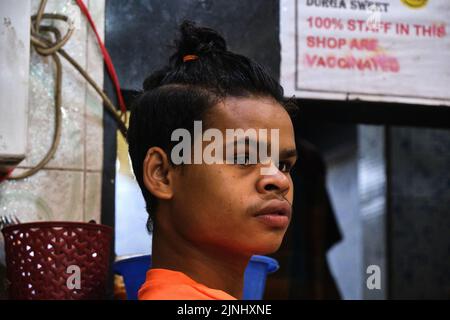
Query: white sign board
<point x="392" y="50"/>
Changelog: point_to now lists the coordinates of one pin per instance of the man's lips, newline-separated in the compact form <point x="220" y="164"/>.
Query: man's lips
<point x="275" y="214"/>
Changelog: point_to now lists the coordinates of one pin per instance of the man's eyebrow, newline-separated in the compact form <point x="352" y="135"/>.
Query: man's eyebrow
<point x="284" y="154"/>
<point x="288" y="153"/>
<point x="246" y="141"/>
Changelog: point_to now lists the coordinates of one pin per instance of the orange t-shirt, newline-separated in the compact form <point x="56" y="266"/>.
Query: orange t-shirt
<point x="164" y="284"/>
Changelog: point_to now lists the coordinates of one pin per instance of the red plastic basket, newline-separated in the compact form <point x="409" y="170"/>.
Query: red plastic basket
<point x="42" y="259"/>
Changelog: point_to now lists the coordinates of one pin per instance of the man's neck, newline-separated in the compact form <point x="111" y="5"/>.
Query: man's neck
<point x="212" y="267"/>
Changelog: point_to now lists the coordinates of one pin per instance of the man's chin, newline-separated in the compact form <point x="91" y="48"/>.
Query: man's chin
<point x="267" y="248"/>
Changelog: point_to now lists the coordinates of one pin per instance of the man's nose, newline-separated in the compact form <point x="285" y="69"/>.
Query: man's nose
<point x="277" y="183"/>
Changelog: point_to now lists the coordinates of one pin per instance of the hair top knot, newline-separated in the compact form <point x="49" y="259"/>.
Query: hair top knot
<point x="190" y="57"/>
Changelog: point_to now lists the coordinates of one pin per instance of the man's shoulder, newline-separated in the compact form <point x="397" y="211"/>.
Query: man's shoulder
<point x="164" y="284"/>
<point x="166" y="291"/>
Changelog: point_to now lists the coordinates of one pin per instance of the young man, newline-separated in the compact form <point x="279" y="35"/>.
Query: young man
<point x="210" y="218"/>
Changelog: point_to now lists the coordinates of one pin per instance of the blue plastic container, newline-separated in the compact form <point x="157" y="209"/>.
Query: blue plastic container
<point x="255" y="276"/>
<point x="133" y="271"/>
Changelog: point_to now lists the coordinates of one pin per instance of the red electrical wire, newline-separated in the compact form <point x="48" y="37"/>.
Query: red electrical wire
<point x="106" y="57"/>
<point x="4" y="175"/>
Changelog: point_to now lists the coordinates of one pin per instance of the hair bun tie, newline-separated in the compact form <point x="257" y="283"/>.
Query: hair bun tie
<point x="190" y="57"/>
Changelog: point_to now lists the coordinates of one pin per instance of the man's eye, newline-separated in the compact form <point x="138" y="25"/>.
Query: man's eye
<point x="285" y="166"/>
<point x="243" y="160"/>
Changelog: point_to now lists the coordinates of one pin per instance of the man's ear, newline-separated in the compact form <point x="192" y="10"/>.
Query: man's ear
<point x="157" y="176"/>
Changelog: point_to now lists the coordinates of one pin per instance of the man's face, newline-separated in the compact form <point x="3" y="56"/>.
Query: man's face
<point x="221" y="206"/>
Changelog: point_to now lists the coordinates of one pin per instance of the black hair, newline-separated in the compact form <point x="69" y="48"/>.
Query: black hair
<point x="182" y="92"/>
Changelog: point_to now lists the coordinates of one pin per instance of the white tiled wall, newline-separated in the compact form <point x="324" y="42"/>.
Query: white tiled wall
<point x="69" y="187"/>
